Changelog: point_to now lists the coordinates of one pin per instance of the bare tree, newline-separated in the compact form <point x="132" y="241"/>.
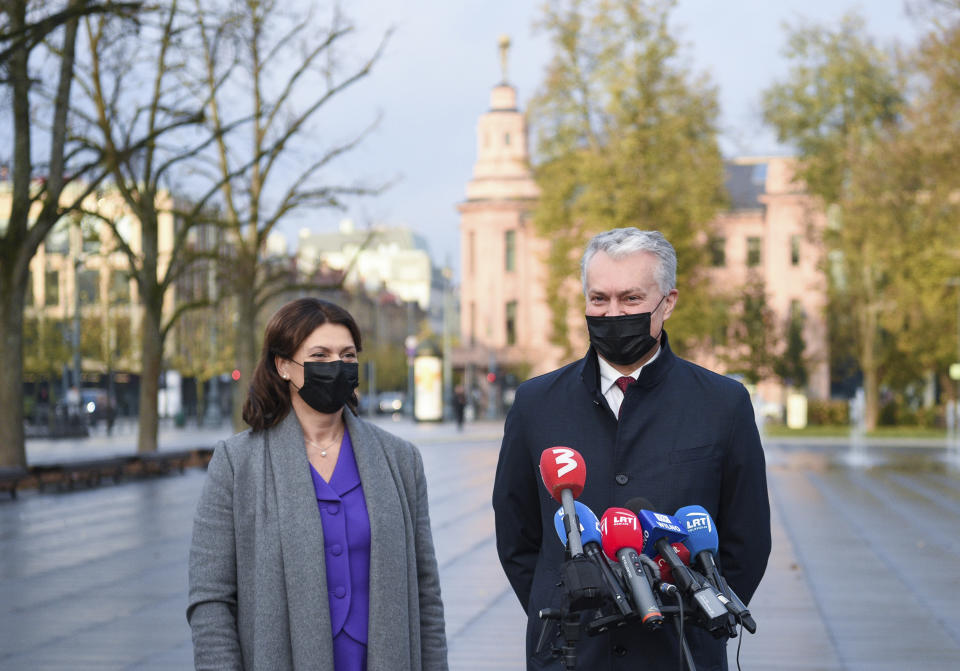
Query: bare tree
<point x="38" y="189"/>
<point x="290" y="70"/>
<point x="136" y="87"/>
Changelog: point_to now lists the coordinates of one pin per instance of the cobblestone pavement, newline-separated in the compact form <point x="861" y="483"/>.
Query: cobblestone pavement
<point x="863" y="576"/>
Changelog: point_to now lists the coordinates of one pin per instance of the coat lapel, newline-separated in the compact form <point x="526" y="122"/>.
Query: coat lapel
<point x="388" y="640"/>
<point x="301" y="540"/>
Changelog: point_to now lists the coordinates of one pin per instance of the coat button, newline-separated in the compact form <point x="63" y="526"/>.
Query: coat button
<point x="619" y="651"/>
<point x="333" y="509"/>
<point x="336" y="550"/>
<point x="622" y="478"/>
<point x="340" y="592"/>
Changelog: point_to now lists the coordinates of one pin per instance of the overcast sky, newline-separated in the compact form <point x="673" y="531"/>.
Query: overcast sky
<point x="442" y="60"/>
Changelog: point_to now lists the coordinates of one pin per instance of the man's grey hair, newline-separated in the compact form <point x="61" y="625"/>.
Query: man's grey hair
<point x="621" y="242"/>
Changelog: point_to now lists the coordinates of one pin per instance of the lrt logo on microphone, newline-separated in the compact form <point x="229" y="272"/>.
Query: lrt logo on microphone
<point x="564" y="458"/>
<point x="698" y="522"/>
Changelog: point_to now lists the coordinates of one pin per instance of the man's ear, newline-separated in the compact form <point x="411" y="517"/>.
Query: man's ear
<point x="670" y="302"/>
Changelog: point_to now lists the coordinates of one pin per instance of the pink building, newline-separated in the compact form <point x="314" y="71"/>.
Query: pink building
<point x="504" y="319"/>
<point x="770" y="233"/>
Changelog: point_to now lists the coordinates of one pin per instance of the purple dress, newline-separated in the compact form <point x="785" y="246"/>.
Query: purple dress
<point x="346" y="541"/>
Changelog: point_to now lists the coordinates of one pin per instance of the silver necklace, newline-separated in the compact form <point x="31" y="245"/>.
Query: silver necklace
<point x="323" y="450"/>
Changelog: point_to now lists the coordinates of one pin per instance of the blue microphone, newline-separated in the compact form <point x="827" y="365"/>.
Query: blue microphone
<point x="703" y="542"/>
<point x="659" y="531"/>
<point x="592" y="540"/>
<point x="589" y="524"/>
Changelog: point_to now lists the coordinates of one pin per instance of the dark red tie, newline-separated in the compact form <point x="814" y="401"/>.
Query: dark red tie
<point x="623" y="383"/>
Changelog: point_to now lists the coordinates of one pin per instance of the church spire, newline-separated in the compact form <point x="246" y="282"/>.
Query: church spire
<point x="504" y="44"/>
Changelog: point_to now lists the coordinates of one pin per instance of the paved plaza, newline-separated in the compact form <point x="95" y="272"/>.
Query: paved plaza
<point x="864" y="575"/>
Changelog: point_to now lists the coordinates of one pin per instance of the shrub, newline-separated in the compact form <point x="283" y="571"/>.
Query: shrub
<point x="832" y="412"/>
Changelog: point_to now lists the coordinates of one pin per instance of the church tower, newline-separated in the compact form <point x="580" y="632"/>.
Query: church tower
<point x="504" y="321"/>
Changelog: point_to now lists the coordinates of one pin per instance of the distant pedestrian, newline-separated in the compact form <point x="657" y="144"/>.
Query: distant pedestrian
<point x="459" y="405"/>
<point x="275" y="585"/>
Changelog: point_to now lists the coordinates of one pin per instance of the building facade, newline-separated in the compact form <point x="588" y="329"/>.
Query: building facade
<point x="769" y="235"/>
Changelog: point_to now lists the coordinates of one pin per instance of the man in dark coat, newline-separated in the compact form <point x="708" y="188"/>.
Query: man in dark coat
<point x="685" y="436"/>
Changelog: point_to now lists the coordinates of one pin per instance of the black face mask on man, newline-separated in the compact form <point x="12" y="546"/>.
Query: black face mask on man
<point x="328" y="385"/>
<point x="624" y="339"/>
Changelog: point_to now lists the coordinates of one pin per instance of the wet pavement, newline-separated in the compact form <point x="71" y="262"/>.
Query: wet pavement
<point x="864" y="575"/>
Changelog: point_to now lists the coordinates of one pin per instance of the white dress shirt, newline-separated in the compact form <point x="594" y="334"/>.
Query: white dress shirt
<point x="608" y="381"/>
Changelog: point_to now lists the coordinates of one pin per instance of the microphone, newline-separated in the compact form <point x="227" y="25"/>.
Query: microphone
<point x="666" y="574"/>
<point x="591" y="538"/>
<point x="703" y="543"/>
<point x="622" y="542"/>
<point x="564" y="474"/>
<point x="661" y="530"/>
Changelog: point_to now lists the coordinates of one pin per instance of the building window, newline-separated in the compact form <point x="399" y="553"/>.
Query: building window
<point x="471" y="244"/>
<point x="512" y="323"/>
<point x="51" y="291"/>
<point x="796" y="311"/>
<point x="753" y="252"/>
<point x="120" y="292"/>
<point x="510" y="251"/>
<point x="28" y="296"/>
<point x="88" y="282"/>
<point x="90" y="231"/>
<point x="473" y="324"/>
<point x="506" y="139"/>
<point x="58" y="239"/>
<point x="794" y="250"/>
<point x="718" y="252"/>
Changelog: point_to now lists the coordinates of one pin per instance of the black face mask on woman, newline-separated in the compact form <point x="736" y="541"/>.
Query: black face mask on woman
<point x="624" y="339"/>
<point x="327" y="385"/>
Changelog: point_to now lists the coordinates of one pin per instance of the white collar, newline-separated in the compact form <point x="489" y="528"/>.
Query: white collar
<point x="609" y="375"/>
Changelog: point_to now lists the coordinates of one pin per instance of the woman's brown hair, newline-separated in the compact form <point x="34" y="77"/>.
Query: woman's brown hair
<point x="268" y="401"/>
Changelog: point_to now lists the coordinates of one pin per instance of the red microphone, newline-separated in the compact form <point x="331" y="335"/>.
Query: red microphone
<point x="562" y="468"/>
<point x="564" y="475"/>
<point x="666" y="575"/>
<point x="622" y="540"/>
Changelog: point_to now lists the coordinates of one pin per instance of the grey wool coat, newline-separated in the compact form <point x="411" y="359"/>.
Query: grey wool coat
<point x="258" y="595"/>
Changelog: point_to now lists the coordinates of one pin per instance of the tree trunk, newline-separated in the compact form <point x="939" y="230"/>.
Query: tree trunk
<point x="151" y="362"/>
<point x="247" y="339"/>
<point x="868" y="359"/>
<point x="12" y="448"/>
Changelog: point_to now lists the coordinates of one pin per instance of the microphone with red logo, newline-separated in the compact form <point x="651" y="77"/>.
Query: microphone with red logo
<point x="666" y="574"/>
<point x="622" y="543"/>
<point x="564" y="475"/>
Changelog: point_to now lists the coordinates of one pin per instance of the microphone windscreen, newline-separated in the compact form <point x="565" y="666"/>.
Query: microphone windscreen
<point x="659" y="525"/>
<point x="589" y="524"/>
<point x="638" y="503"/>
<point x="620" y="529"/>
<point x="562" y="468"/>
<point x="666" y="574"/>
<point x="701" y="531"/>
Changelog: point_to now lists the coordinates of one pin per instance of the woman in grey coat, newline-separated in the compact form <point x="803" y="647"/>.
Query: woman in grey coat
<point x="311" y="544"/>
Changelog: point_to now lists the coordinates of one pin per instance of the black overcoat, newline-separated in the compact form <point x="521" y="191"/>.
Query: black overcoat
<point x="687" y="436"/>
